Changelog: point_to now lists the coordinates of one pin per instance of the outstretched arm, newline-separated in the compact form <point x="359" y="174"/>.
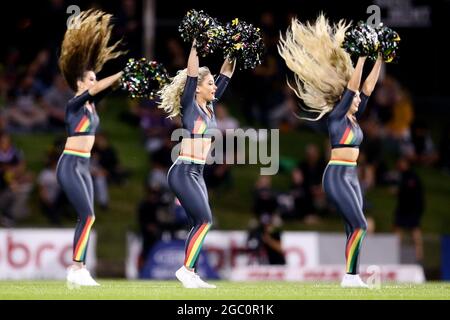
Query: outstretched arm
<point x="341" y="108"/>
<point x="105" y="84"/>
<point x="368" y="86"/>
<point x="192" y="75"/>
<point x="372" y="78"/>
<point x="228" y="67"/>
<point x="226" y="72"/>
<point x="96" y="93"/>
<point x="355" y="80"/>
<point x="193" y="62"/>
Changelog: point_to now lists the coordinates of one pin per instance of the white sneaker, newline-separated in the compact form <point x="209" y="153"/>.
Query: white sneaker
<point x="70" y="274"/>
<point x="353" y="281"/>
<point x="81" y="277"/>
<point x="203" y="284"/>
<point x="187" y="278"/>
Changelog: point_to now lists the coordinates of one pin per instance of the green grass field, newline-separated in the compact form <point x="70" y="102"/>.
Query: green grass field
<point x="171" y="290"/>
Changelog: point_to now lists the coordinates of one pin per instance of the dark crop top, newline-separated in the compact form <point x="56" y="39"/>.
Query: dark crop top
<point x="343" y="133"/>
<point x="194" y="118"/>
<point x="79" y="120"/>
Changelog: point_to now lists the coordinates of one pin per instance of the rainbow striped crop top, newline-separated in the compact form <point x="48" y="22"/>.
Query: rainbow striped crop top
<point x="343" y="133"/>
<point x="80" y="121"/>
<point x="194" y="118"/>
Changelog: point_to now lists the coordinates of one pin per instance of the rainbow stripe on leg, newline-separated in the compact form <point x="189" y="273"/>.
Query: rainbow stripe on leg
<point x="352" y="250"/>
<point x="79" y="253"/>
<point x="195" y="245"/>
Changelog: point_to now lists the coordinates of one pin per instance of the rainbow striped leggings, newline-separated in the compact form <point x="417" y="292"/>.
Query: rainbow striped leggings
<point x="75" y="179"/>
<point x="341" y="185"/>
<point x="187" y="183"/>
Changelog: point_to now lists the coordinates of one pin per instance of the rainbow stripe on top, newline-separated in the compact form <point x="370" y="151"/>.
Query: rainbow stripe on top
<point x="338" y="162"/>
<point x="348" y="137"/>
<point x="199" y="126"/>
<point x="195" y="245"/>
<point x="77" y="153"/>
<point x="83" y="125"/>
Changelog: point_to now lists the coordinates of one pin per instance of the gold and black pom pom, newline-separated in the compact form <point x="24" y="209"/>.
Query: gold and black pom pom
<point x="362" y="40"/>
<point x="207" y="31"/>
<point x="389" y="44"/>
<point x="244" y="43"/>
<point x="142" y="78"/>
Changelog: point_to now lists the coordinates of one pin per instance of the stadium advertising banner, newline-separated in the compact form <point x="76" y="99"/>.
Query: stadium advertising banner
<point x="224" y="250"/>
<point x="39" y="254"/>
<point x="310" y="256"/>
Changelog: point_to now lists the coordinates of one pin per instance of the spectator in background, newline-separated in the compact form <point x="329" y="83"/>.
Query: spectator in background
<point x="105" y="169"/>
<point x="162" y="156"/>
<point x="223" y="118"/>
<point x="283" y="115"/>
<point x="219" y="174"/>
<point x="15" y="183"/>
<point x="264" y="240"/>
<point x="25" y="113"/>
<point x="55" y="100"/>
<point x="51" y="197"/>
<point x="149" y="226"/>
<point x="264" y="197"/>
<point x="410" y="205"/>
<point x="160" y="164"/>
<point x="312" y="167"/>
<point x="266" y="77"/>
<point x="157" y="219"/>
<point x="422" y="150"/>
<point x="155" y="125"/>
<point x="402" y="115"/>
<point x="372" y="147"/>
<point x="303" y="205"/>
<point x="385" y="96"/>
<point x="366" y="176"/>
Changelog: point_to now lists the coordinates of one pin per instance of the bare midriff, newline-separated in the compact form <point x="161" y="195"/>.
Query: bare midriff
<point x="195" y="148"/>
<point x="345" y="154"/>
<point x="80" y="143"/>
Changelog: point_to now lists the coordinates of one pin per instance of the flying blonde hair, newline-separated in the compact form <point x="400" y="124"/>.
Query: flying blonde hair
<point x="322" y="68"/>
<point x="171" y="93"/>
<point x="85" y="46"/>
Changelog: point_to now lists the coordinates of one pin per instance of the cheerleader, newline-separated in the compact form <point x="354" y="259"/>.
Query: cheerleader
<point x="329" y="85"/>
<point x="84" y="51"/>
<point x="192" y="94"/>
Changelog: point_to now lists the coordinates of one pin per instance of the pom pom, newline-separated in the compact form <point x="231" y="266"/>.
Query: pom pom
<point x="362" y="40"/>
<point x="143" y="78"/>
<point x="244" y="43"/>
<point x="389" y="43"/>
<point x="207" y="31"/>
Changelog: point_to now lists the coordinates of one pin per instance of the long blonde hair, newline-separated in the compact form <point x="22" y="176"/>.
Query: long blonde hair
<point x="171" y="93"/>
<point x="322" y="68"/>
<point x="85" y="46"/>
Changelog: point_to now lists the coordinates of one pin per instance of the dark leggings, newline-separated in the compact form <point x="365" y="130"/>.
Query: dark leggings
<point x="187" y="183"/>
<point x="341" y="185"/>
<point x="76" y="181"/>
